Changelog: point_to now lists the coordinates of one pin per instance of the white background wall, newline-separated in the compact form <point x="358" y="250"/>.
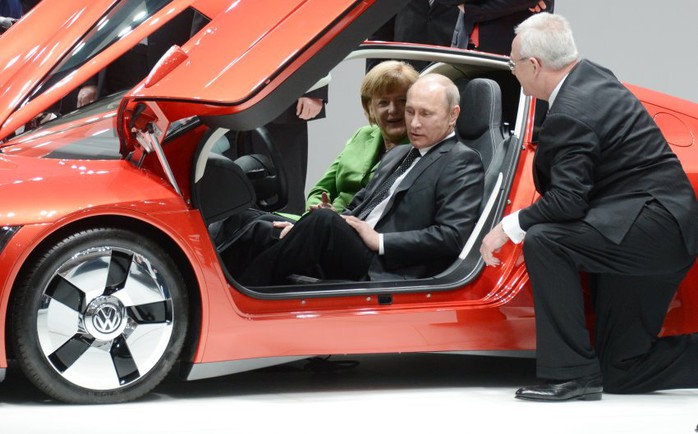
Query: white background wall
<point x="649" y="43"/>
<point x="653" y="44"/>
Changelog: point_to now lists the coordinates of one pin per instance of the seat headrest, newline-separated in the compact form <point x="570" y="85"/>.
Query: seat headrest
<point x="223" y="190"/>
<point x="480" y="108"/>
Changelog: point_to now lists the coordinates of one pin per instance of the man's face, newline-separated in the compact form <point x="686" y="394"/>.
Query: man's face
<point x="523" y="69"/>
<point x="427" y="116"/>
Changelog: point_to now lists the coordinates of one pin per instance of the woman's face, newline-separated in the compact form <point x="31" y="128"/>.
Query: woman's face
<point x="388" y="111"/>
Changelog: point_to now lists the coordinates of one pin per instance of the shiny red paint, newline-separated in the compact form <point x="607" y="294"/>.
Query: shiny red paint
<point x="243" y="56"/>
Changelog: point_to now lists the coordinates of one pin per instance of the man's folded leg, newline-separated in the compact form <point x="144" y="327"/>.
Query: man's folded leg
<point x="321" y="245"/>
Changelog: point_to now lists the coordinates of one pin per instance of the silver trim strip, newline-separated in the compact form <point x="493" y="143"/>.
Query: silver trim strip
<point x="528" y="354"/>
<point x="483" y="217"/>
<point x="216" y="369"/>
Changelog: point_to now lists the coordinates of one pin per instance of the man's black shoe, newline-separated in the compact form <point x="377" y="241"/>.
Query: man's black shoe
<point x="584" y="388"/>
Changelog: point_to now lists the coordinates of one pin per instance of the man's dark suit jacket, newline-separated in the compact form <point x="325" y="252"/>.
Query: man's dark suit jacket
<point x="432" y="213"/>
<point x="601" y="157"/>
<point x="418" y="22"/>
<point x="496" y="20"/>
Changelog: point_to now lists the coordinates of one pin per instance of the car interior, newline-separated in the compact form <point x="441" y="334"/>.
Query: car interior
<point x="231" y="177"/>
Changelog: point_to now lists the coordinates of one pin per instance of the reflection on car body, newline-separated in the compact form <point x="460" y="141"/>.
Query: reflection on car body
<point x="109" y="273"/>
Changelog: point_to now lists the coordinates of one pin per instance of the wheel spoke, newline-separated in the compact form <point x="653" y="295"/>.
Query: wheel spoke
<point x="124" y="364"/>
<point x="65" y="292"/>
<point x="151" y="313"/>
<point x="64" y="357"/>
<point x="119" y="267"/>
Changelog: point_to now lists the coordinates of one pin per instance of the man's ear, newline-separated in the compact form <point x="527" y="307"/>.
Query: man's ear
<point x="455" y="111"/>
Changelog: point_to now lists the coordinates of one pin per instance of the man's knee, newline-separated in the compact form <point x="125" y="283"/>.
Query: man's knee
<point x="537" y="240"/>
<point x="320" y="217"/>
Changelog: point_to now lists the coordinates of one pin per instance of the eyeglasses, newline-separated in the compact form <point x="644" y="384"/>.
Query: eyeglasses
<point x="512" y="64"/>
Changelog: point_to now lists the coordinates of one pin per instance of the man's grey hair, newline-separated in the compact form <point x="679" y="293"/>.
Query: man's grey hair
<point x="548" y="38"/>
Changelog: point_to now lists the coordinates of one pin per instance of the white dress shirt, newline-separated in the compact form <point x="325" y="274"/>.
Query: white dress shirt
<point x="510" y="223"/>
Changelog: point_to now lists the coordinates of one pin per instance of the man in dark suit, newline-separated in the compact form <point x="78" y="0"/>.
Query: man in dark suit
<point x="616" y="204"/>
<point x="411" y="220"/>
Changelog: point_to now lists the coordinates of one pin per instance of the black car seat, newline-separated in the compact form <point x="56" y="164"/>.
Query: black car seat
<point x="480" y="126"/>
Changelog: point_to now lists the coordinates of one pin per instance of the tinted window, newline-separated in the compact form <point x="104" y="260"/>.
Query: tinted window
<point x="117" y="23"/>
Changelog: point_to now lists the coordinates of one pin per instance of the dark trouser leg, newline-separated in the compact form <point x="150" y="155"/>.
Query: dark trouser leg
<point x="563" y="346"/>
<point x="555" y="254"/>
<point x="321" y="244"/>
<point x="630" y="313"/>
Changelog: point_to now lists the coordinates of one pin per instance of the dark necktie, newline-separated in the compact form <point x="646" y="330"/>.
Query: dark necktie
<point x="383" y="189"/>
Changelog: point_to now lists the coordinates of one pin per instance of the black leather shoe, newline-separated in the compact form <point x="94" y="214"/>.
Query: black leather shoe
<point x="584" y="388"/>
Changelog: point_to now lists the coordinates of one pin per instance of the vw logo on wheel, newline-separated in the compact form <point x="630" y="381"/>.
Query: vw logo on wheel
<point x="105" y="317"/>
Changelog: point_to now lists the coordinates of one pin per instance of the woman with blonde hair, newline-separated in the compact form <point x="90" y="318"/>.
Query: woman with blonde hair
<point x="383" y="96"/>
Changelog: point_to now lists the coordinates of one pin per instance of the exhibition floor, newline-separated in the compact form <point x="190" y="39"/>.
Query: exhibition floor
<point x="421" y="393"/>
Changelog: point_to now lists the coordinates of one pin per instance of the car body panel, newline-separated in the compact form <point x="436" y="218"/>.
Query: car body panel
<point x="49" y="34"/>
<point x="52" y="183"/>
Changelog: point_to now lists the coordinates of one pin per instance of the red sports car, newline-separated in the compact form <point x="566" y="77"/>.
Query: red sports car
<point x="111" y="269"/>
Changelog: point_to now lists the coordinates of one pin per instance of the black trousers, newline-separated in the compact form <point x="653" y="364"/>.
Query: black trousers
<point x="631" y="285"/>
<point x="321" y="244"/>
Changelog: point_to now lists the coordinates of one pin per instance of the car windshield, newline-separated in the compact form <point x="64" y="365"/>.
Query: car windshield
<point x="117" y="23"/>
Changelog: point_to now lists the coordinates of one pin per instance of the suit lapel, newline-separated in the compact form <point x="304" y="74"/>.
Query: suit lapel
<point x="390" y="162"/>
<point x="541" y="165"/>
<point x="387" y="166"/>
<point x="421" y="165"/>
<point x="425" y="162"/>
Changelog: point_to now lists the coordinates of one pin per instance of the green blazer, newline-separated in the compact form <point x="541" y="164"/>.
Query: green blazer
<point x="352" y="169"/>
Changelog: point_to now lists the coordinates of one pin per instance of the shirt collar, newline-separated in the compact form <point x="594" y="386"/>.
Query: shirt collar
<point x="423" y="151"/>
<point x="553" y="95"/>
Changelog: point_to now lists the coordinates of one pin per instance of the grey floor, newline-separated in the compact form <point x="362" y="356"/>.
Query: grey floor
<point x="421" y="393"/>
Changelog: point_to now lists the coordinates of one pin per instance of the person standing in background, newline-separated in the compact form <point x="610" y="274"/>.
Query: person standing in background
<point x="11" y="9"/>
<point x="488" y="25"/>
<point x="27" y="5"/>
<point x="421" y="22"/>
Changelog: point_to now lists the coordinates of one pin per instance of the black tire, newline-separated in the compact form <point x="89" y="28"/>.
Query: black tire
<point x="100" y="317"/>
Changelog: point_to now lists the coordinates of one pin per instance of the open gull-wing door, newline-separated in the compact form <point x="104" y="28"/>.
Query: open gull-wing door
<point x="248" y="64"/>
<point x="62" y="43"/>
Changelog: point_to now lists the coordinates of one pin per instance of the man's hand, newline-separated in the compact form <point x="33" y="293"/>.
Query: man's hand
<point x="87" y="94"/>
<point x="286" y="228"/>
<point x="491" y="244"/>
<point x="540" y="7"/>
<point x="308" y="108"/>
<point x="365" y="231"/>
<point x="324" y="204"/>
<point x="6" y="23"/>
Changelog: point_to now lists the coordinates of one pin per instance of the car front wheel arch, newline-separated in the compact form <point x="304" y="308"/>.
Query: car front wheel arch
<point x="99" y="315"/>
